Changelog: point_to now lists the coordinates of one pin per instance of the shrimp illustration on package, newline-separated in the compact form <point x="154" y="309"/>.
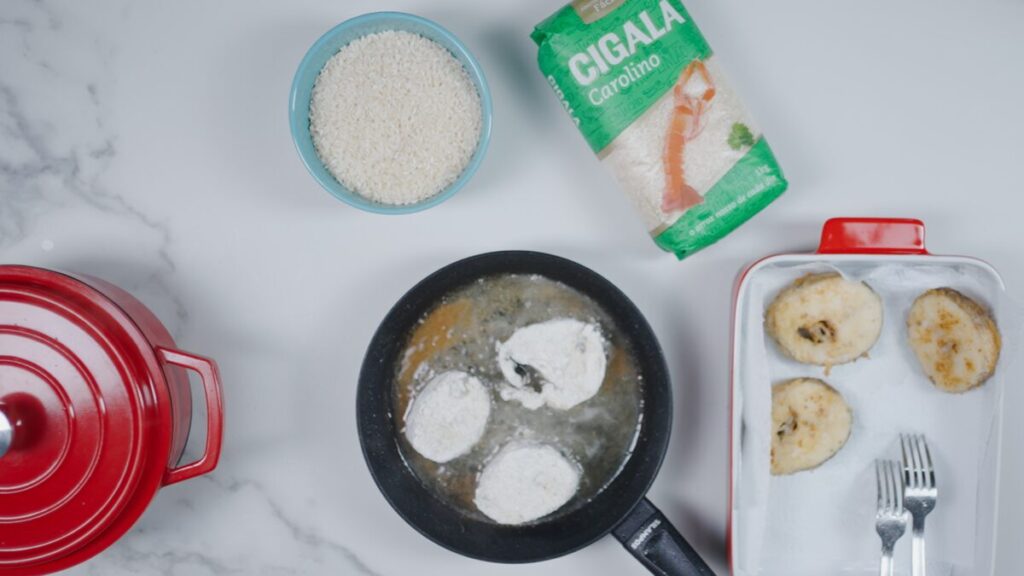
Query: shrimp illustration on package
<point x="642" y="85"/>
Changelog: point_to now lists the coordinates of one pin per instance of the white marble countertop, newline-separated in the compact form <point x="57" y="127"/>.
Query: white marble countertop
<point x="147" y="143"/>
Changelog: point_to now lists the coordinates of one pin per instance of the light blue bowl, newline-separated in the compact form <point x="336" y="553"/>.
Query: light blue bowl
<point x="326" y="47"/>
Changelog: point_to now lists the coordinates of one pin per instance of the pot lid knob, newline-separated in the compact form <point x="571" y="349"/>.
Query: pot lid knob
<point x="6" y="434"/>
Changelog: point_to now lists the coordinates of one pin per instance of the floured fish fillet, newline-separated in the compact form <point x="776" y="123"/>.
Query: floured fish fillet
<point x="954" y="338"/>
<point x="447" y="418"/>
<point x="825" y="319"/>
<point x="559" y="363"/>
<point x="810" y="423"/>
<point x="524" y="482"/>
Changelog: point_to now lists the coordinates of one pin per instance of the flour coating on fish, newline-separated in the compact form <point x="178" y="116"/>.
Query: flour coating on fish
<point x="524" y="482"/>
<point x="448" y="416"/>
<point x="559" y="363"/>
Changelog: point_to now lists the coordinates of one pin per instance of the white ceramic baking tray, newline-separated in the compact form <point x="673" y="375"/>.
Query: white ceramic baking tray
<point x="821" y="522"/>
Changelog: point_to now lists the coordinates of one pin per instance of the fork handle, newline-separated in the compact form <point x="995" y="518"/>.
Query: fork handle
<point x="887" y="567"/>
<point x="918" y="547"/>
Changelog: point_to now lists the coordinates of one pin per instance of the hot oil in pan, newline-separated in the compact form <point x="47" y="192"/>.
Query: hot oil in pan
<point x="461" y="333"/>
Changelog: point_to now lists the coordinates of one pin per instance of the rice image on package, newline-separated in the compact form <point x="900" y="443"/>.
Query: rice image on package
<point x="642" y="85"/>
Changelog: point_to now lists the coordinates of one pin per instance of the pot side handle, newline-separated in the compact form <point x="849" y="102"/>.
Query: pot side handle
<point x="207" y="370"/>
<point x="6" y="433"/>
<point x="872" y="236"/>
<point x="651" y="539"/>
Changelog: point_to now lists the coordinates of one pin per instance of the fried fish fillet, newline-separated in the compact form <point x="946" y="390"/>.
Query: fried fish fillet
<point x="825" y="319"/>
<point x="810" y="423"/>
<point x="954" y="338"/>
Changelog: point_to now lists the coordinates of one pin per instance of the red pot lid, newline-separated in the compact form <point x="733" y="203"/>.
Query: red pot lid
<point x="82" y="401"/>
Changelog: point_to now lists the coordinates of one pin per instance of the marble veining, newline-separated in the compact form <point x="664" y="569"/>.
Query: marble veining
<point x="146" y="142"/>
<point x="42" y="169"/>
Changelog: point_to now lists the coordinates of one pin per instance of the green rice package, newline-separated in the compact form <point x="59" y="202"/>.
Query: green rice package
<point x="643" y="86"/>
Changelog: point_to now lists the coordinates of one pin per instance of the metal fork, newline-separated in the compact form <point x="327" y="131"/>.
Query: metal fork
<point x="891" y="519"/>
<point x="921" y="492"/>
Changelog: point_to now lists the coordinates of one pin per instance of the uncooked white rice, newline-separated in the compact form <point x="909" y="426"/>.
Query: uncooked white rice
<point x="395" y="117"/>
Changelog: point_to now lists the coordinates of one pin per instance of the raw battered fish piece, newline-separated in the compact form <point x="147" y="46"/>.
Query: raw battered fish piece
<point x="810" y="423"/>
<point x="825" y="319"/>
<point x="954" y="338"/>
<point x="448" y="417"/>
<point x="559" y="363"/>
<point x="524" y="482"/>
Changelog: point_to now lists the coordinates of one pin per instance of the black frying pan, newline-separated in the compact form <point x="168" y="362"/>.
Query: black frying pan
<point x="620" y="509"/>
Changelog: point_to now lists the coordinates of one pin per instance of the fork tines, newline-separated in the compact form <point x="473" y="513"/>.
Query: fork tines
<point x="918" y="470"/>
<point x="890" y="486"/>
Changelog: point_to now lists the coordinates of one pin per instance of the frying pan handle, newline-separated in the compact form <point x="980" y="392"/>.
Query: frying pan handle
<point x="649" y="537"/>
<point x="872" y="236"/>
<point x="207" y="370"/>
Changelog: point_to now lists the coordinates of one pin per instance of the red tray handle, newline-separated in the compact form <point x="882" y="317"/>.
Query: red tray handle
<point x="207" y="370"/>
<point x="872" y="236"/>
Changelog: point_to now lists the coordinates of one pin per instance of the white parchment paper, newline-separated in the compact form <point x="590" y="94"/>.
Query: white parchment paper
<point x="821" y="522"/>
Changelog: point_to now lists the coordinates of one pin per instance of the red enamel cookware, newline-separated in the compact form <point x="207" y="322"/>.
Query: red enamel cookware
<point x="95" y="411"/>
<point x="768" y="531"/>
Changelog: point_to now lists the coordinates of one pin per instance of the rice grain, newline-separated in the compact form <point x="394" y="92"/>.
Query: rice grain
<point x="395" y="117"/>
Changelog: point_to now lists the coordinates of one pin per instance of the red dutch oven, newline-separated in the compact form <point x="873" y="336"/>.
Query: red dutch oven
<point x="95" y="412"/>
